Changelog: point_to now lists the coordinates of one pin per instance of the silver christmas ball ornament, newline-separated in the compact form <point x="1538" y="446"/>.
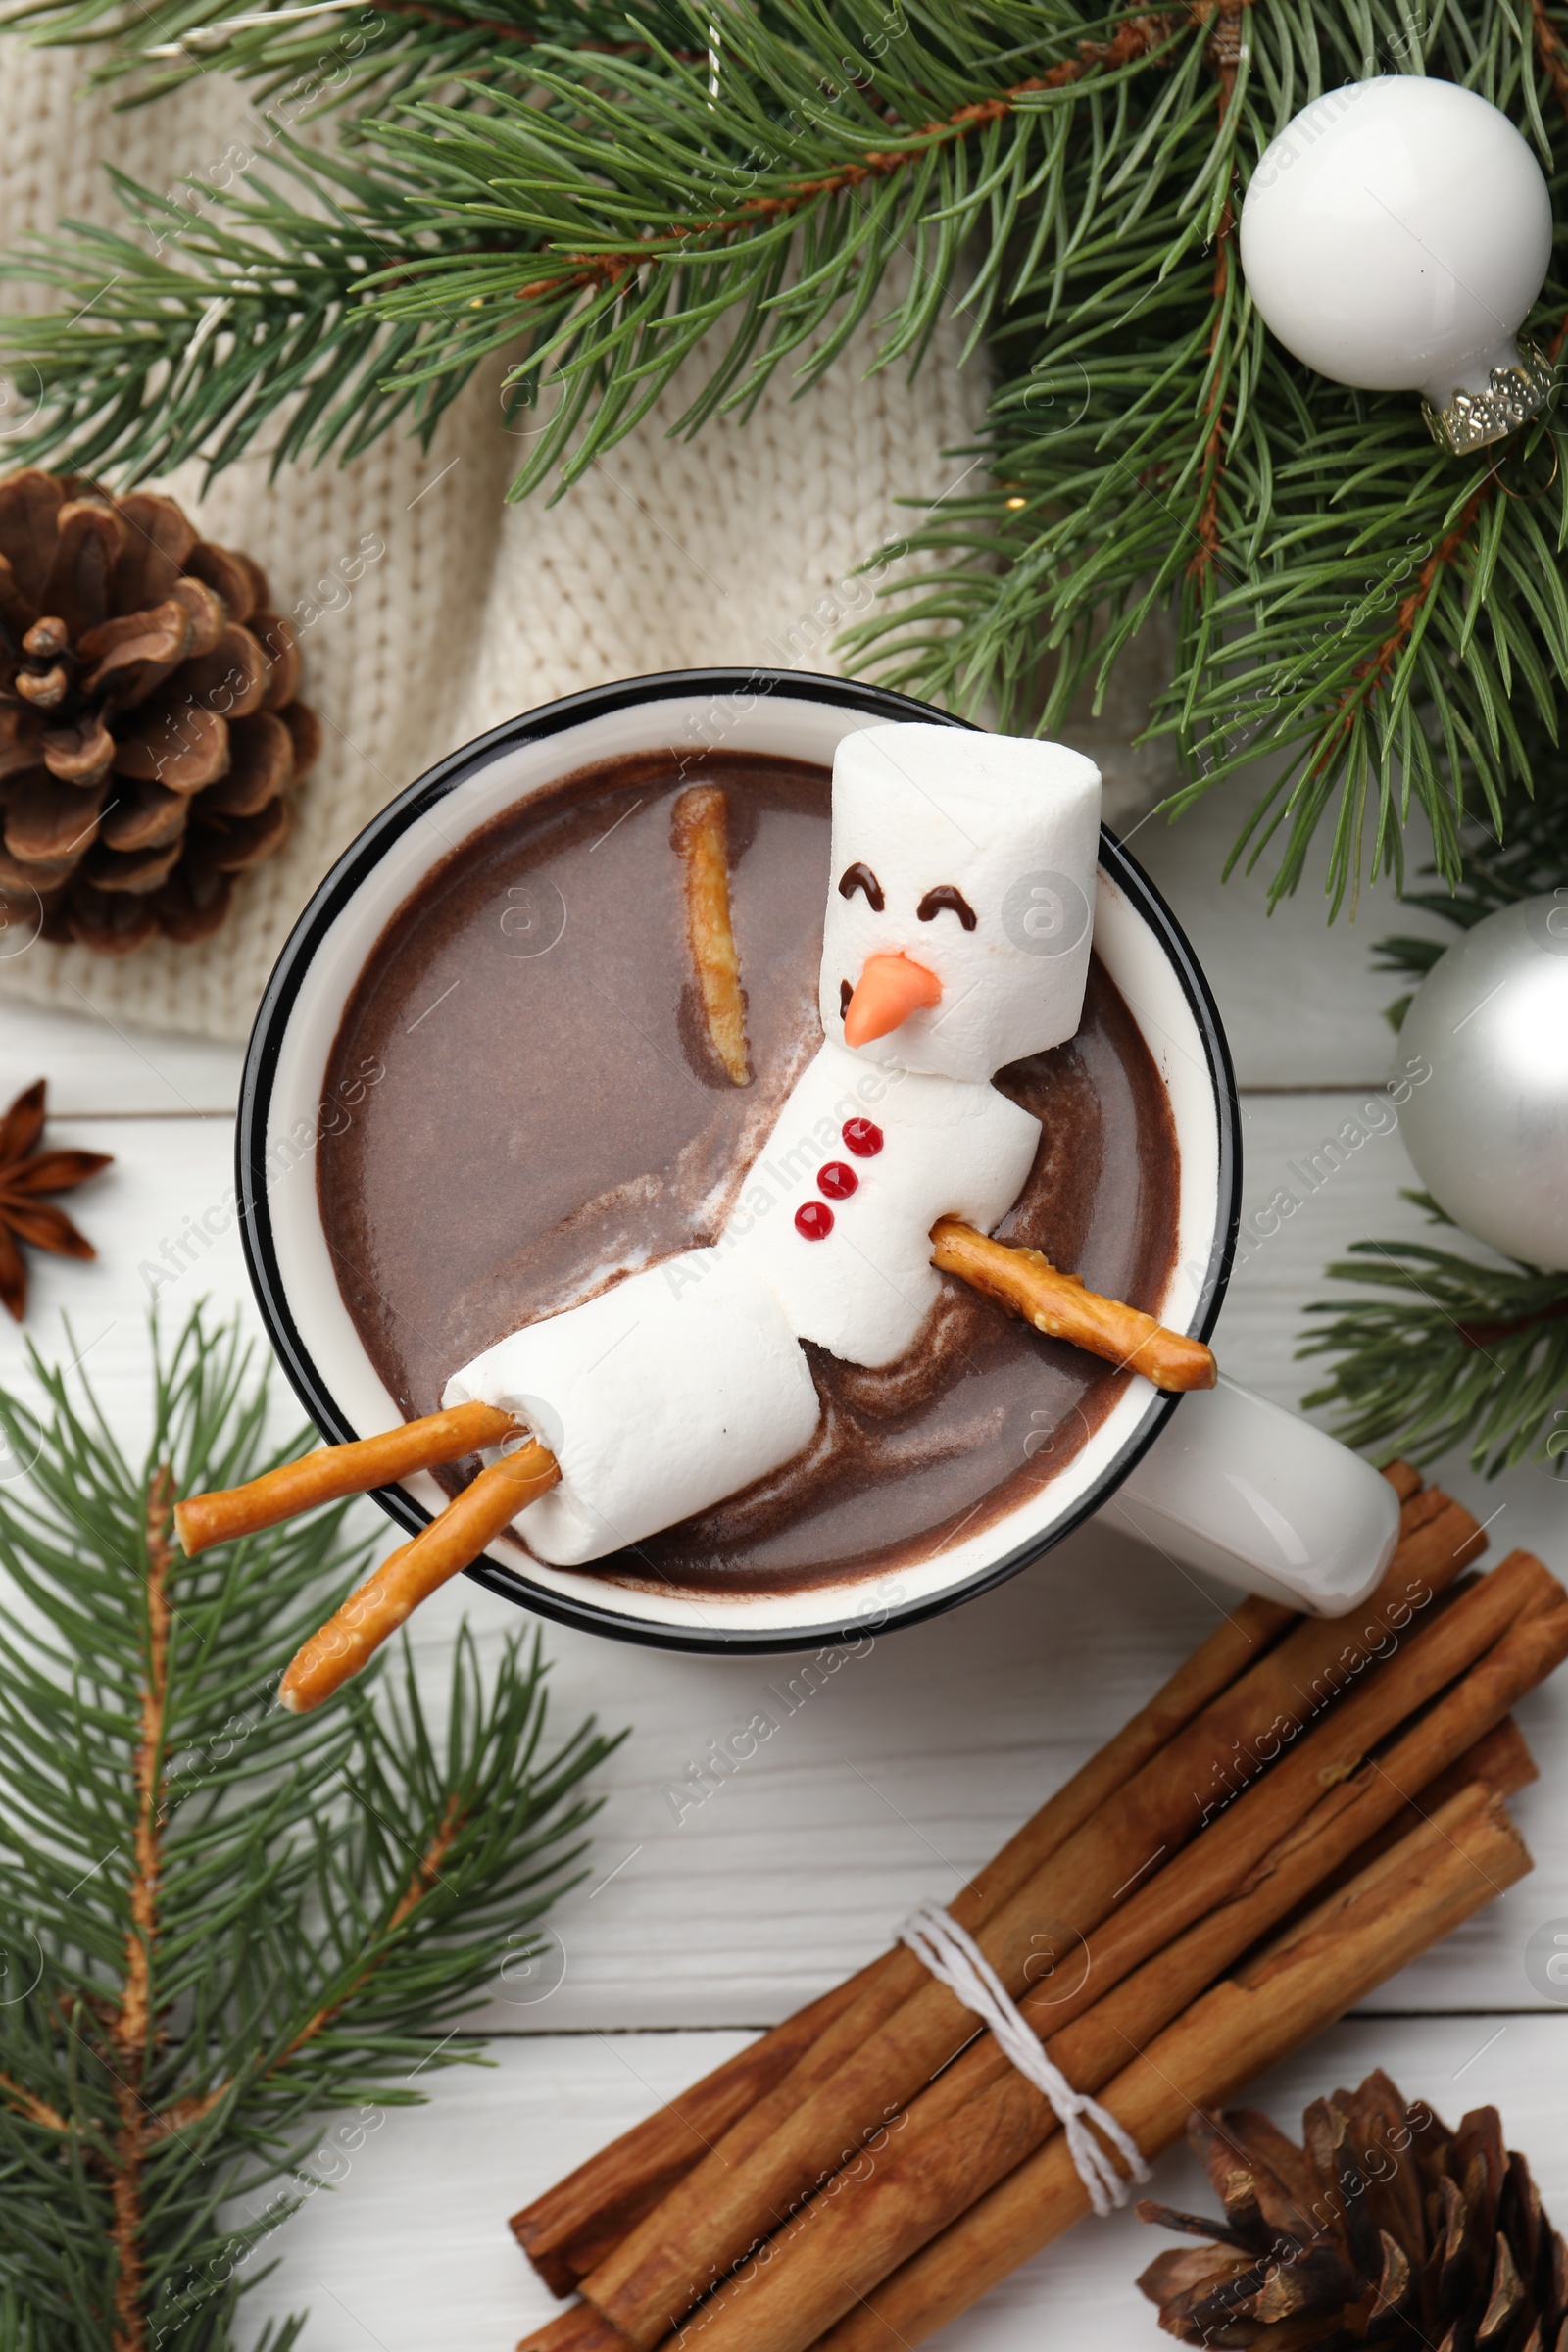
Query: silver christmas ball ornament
<point x="1487" y="1130"/>
<point x="1394" y="237"/>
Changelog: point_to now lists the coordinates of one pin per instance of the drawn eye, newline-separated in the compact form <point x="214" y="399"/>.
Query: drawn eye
<point x="859" y="876"/>
<point x="947" y="897"/>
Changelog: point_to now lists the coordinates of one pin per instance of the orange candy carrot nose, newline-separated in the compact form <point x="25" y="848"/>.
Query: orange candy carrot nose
<point x="890" y="988"/>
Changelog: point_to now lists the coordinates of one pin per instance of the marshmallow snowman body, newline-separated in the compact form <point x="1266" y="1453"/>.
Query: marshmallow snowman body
<point x="858" y="1280"/>
<point x="658" y="1399"/>
<point x="973" y="857"/>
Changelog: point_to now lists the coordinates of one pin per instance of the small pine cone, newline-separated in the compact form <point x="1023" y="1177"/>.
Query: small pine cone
<point x="1384" y="2228"/>
<point x="150" y="733"/>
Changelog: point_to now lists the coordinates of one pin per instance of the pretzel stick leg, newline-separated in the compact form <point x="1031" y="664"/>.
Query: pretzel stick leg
<point x="1029" y="1284"/>
<point x="409" y="1575"/>
<point x="334" y="1471"/>
<point x="700" y="832"/>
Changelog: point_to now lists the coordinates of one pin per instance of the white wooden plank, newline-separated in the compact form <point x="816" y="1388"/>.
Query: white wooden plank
<point x="891" y="1774"/>
<point x="1286" y="1149"/>
<point x="412" y="2249"/>
<point x="1301" y="1000"/>
<point x="93" y="1067"/>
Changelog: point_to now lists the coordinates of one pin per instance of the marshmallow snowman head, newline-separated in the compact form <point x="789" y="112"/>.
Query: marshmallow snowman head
<point x="962" y="901"/>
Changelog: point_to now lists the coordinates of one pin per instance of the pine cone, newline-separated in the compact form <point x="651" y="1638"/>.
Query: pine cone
<point x="149" y="732"/>
<point x="1384" y="2228"/>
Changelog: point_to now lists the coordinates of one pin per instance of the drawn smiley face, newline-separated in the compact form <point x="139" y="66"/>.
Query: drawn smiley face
<point x="890" y="986"/>
<point x="931" y="831"/>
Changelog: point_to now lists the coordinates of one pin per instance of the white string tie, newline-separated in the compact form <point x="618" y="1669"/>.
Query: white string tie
<point x="954" y="1957"/>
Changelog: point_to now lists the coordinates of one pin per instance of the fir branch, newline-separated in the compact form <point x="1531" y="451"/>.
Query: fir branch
<point x="232" y="317"/>
<point x="595" y="188"/>
<point x="1378" y="621"/>
<point x="629" y="275"/>
<point x="1223" y="53"/>
<point x="1371" y="673"/>
<point x="239" y="1917"/>
<point x="1132" y="44"/>
<point x="1461" y="1353"/>
<point x="134" y="2025"/>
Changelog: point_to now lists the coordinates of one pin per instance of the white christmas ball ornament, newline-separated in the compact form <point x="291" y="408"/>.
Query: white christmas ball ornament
<point x="1394" y="236"/>
<point x="1487" y="1130"/>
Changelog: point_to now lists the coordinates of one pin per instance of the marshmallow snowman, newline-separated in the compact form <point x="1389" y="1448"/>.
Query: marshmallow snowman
<point x="956" y="940"/>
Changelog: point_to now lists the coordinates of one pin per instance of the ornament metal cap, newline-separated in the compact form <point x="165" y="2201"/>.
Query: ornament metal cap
<point x="1514" y="394"/>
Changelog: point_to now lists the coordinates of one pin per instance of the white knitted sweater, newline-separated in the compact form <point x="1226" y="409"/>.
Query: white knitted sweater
<point x="736" y="548"/>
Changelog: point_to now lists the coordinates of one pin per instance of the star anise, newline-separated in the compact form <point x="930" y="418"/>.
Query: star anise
<point x="25" y="1174"/>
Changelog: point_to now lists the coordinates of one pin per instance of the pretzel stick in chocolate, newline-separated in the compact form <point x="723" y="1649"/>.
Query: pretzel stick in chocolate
<point x="333" y="1471"/>
<point x="1029" y="1284"/>
<point x="700" y="832"/>
<point x="409" y="1575"/>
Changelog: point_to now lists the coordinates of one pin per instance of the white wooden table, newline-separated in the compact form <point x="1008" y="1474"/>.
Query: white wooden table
<point x="907" y="1768"/>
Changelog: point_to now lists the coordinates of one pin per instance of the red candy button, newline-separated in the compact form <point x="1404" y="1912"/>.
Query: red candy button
<point x="837" y="1181"/>
<point x="813" y="1221"/>
<point x="863" y="1139"/>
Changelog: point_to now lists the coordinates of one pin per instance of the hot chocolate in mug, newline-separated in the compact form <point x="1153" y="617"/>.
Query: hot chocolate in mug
<point x="373" y="1219"/>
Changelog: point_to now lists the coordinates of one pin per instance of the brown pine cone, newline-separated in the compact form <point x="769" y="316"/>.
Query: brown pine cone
<point x="1384" y="2228"/>
<point x="150" y="731"/>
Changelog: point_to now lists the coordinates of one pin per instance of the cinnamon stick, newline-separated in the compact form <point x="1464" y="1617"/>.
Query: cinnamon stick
<point x="723" y="2207"/>
<point x="1215" y="1866"/>
<point x="1499" y="1757"/>
<point x="981" y="2117"/>
<point x="700" y="833"/>
<point x="411" y="1573"/>
<point x="1057" y="1305"/>
<point x="579" y="2329"/>
<point x="574" y="2225"/>
<point x="334" y="1471"/>
<point x="578" y="2221"/>
<point x="1437" y="1877"/>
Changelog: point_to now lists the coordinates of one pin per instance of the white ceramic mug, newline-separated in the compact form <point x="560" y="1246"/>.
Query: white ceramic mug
<point x="1220" y="1481"/>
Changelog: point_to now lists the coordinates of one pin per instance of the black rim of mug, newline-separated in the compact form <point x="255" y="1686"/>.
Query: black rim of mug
<point x="290" y="973"/>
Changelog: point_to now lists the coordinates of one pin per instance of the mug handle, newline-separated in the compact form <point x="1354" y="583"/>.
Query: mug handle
<point x="1241" y="1490"/>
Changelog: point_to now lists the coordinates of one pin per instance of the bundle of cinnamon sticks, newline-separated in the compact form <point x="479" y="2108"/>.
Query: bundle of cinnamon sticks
<point x="1300" y="1811"/>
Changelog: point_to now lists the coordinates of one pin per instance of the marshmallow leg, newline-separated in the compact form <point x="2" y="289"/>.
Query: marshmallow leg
<point x="658" y="1398"/>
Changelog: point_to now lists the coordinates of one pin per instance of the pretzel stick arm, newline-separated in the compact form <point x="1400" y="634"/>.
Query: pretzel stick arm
<point x="699" y="831"/>
<point x="1057" y="1305"/>
<point x="334" y="1471"/>
<point x="409" y="1575"/>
